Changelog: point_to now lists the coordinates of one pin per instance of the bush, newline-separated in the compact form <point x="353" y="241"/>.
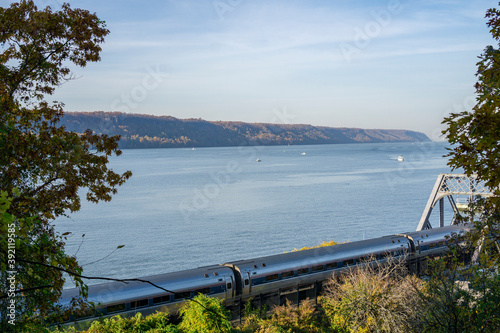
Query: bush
<point x="155" y="323"/>
<point x="284" y="318"/>
<point x="461" y="299"/>
<point x="204" y="314"/>
<point x="372" y="299"/>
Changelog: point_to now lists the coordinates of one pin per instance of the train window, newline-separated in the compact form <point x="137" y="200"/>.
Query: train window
<point x="331" y="265"/>
<point x="185" y="294"/>
<point x="302" y="271"/>
<point x="349" y="262"/>
<point x="272" y="277"/>
<point x="115" y="308"/>
<point x="215" y="273"/>
<point x="317" y="268"/>
<point x="247" y="282"/>
<point x="287" y="274"/>
<point x="83" y="314"/>
<point x="205" y="275"/>
<point x="202" y="291"/>
<point x="254" y="266"/>
<point x="161" y="299"/>
<point x="138" y="304"/>
<point x="364" y="259"/>
<point x="432" y="245"/>
<point x="263" y="265"/>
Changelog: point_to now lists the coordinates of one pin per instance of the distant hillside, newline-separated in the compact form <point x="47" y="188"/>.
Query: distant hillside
<point x="145" y="131"/>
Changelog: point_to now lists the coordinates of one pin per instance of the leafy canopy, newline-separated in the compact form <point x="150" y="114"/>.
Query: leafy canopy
<point x="475" y="135"/>
<point x="42" y="165"/>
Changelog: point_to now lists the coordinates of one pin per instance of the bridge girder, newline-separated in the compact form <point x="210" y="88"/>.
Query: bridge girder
<point x="446" y="186"/>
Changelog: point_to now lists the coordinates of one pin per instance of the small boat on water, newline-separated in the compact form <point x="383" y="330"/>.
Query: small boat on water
<point x="259" y="160"/>
<point x="303" y="154"/>
<point x="401" y="158"/>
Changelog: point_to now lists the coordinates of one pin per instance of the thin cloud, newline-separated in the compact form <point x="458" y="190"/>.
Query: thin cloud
<point x="242" y="63"/>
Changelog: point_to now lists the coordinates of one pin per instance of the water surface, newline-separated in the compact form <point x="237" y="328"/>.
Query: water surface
<point x="186" y="208"/>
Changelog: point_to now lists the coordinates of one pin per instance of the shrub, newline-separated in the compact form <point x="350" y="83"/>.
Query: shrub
<point x="155" y="323"/>
<point x="372" y="299"/>
<point x="461" y="299"/>
<point x="204" y="314"/>
<point x="285" y="318"/>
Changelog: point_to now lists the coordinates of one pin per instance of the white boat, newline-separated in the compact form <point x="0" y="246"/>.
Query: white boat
<point x="258" y="160"/>
<point x="401" y="158"/>
<point x="303" y="154"/>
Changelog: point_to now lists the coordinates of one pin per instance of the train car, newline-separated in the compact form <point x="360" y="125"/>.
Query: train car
<point x="267" y="274"/>
<point x="281" y="274"/>
<point x="126" y="299"/>
<point x="431" y="242"/>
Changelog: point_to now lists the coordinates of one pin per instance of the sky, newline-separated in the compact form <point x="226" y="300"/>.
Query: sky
<point x="395" y="64"/>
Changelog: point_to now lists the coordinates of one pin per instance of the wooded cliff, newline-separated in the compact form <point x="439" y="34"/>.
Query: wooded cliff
<point x="146" y="131"/>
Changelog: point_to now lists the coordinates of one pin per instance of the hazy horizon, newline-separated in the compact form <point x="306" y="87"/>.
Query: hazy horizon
<point x="359" y="64"/>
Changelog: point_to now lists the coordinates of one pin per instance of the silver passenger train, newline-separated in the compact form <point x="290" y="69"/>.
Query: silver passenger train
<point x="297" y="274"/>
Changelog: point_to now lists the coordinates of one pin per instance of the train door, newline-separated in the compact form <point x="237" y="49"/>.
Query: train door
<point x="246" y="283"/>
<point x="238" y="280"/>
<point x="230" y="287"/>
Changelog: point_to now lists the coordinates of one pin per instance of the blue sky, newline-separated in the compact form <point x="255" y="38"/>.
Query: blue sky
<point x="393" y="64"/>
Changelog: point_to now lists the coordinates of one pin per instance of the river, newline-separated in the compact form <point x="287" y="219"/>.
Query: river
<point x="185" y="208"/>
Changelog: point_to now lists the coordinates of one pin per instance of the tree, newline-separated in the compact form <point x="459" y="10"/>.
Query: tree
<point x="475" y="135"/>
<point x="475" y="139"/>
<point x="458" y="298"/>
<point x="472" y="304"/>
<point x="42" y="165"/>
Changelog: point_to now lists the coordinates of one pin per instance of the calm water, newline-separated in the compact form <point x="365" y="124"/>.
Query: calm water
<point x="186" y="208"/>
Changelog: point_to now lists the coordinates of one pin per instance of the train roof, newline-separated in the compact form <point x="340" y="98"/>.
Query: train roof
<point x="117" y="292"/>
<point x="319" y="256"/>
<point x="437" y="234"/>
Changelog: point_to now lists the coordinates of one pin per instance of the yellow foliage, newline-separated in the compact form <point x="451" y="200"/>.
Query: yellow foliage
<point x="324" y="244"/>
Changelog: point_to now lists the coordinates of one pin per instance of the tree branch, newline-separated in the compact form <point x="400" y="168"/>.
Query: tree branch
<point x="110" y="279"/>
<point x="40" y="187"/>
<point x="94" y="277"/>
<point x="27" y="289"/>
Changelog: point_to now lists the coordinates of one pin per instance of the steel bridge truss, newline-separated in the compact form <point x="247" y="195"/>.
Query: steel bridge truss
<point x="446" y="186"/>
